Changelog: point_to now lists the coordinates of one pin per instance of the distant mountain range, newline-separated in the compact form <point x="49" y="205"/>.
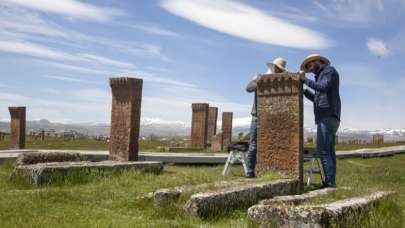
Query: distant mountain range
<point x="165" y="128"/>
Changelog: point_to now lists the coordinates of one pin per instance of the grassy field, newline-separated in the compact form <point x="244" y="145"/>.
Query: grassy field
<point x="144" y="145"/>
<point x="112" y="200"/>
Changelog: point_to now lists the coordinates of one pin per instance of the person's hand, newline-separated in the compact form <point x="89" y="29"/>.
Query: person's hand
<point x="257" y="77"/>
<point x="301" y="74"/>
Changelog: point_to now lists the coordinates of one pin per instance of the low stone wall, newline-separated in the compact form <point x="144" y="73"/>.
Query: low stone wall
<point x="313" y="215"/>
<point x="30" y="158"/>
<point x="214" y="202"/>
<point x="42" y="173"/>
<point x="296" y="199"/>
<point x="163" y="196"/>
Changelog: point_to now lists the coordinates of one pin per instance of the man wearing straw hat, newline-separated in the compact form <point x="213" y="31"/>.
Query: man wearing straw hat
<point x="327" y="107"/>
<point x="277" y="66"/>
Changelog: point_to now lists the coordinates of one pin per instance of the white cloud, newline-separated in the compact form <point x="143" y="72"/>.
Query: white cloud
<point x="155" y="30"/>
<point x="70" y="8"/>
<point x="30" y="49"/>
<point x="11" y="97"/>
<point x="356" y="12"/>
<point x="246" y="22"/>
<point x="377" y="47"/>
<point x="24" y="25"/>
<point x="149" y="77"/>
<point x="69" y="79"/>
<point x="76" y="68"/>
<point x="105" y="60"/>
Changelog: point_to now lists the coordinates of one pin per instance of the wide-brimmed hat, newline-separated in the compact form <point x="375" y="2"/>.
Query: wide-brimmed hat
<point x="277" y="62"/>
<point x="313" y="57"/>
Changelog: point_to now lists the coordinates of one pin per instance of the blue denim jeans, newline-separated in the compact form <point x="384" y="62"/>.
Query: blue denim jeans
<point x="325" y="146"/>
<point x="251" y="155"/>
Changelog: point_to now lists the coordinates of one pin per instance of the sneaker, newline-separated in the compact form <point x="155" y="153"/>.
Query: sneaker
<point x="250" y="175"/>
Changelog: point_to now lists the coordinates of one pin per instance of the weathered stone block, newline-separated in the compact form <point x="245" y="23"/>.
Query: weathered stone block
<point x="125" y="118"/>
<point x="313" y="215"/>
<point x="17" y="127"/>
<point x="280" y="124"/>
<point x="296" y="199"/>
<point x="162" y="197"/>
<point x="212" y="122"/>
<point x="199" y="125"/>
<point x="42" y="173"/>
<point x="30" y="158"/>
<point x="210" y="203"/>
<point x="226" y="127"/>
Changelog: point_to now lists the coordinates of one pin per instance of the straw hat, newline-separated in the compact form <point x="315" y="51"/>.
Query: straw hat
<point x="313" y="57"/>
<point x="277" y="62"/>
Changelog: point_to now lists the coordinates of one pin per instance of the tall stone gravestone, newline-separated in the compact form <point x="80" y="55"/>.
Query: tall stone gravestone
<point x="17" y="127"/>
<point x="125" y="118"/>
<point x="199" y="124"/>
<point x="280" y="124"/>
<point x="212" y="122"/>
<point x="226" y="127"/>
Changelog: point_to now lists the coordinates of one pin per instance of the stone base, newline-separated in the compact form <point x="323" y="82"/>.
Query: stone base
<point x="296" y="199"/>
<point x="41" y="173"/>
<point x="30" y="158"/>
<point x="210" y="203"/>
<point x="315" y="215"/>
<point x="163" y="196"/>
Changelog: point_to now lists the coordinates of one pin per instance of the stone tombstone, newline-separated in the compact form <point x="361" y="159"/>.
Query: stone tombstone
<point x="125" y="118"/>
<point x="212" y="122"/>
<point x="378" y="139"/>
<point x="17" y="127"/>
<point x="280" y="124"/>
<point x="216" y="142"/>
<point x="199" y="125"/>
<point x="226" y="129"/>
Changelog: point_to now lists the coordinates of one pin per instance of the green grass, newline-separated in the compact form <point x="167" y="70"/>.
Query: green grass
<point x="144" y="145"/>
<point x="344" y="147"/>
<point x="78" y="144"/>
<point x="110" y="200"/>
<point x="113" y="200"/>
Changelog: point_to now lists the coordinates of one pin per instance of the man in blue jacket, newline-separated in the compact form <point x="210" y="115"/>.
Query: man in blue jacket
<point x="327" y="107"/>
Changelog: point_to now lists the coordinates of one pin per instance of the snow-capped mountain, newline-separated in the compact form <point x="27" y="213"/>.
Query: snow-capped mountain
<point x="165" y="128"/>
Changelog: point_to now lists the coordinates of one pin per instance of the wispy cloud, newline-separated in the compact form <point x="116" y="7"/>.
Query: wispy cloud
<point x="150" y="77"/>
<point x="36" y="50"/>
<point x="23" y="25"/>
<point x="30" y="49"/>
<point x="244" y="21"/>
<point x="377" y="47"/>
<point x="360" y="12"/>
<point x="155" y="30"/>
<point x="69" y="79"/>
<point x="71" y="8"/>
<point x="74" y="68"/>
<point x="105" y="60"/>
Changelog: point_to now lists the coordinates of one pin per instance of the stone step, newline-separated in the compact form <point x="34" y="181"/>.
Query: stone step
<point x="214" y="202"/>
<point x="322" y="215"/>
<point x="296" y="199"/>
<point x="165" y="195"/>
<point x="41" y="173"/>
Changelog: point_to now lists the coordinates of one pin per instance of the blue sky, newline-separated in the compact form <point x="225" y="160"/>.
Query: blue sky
<point x="56" y="56"/>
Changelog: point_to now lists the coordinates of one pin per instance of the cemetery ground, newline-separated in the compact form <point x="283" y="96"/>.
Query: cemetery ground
<point x="154" y="145"/>
<point x="117" y="199"/>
